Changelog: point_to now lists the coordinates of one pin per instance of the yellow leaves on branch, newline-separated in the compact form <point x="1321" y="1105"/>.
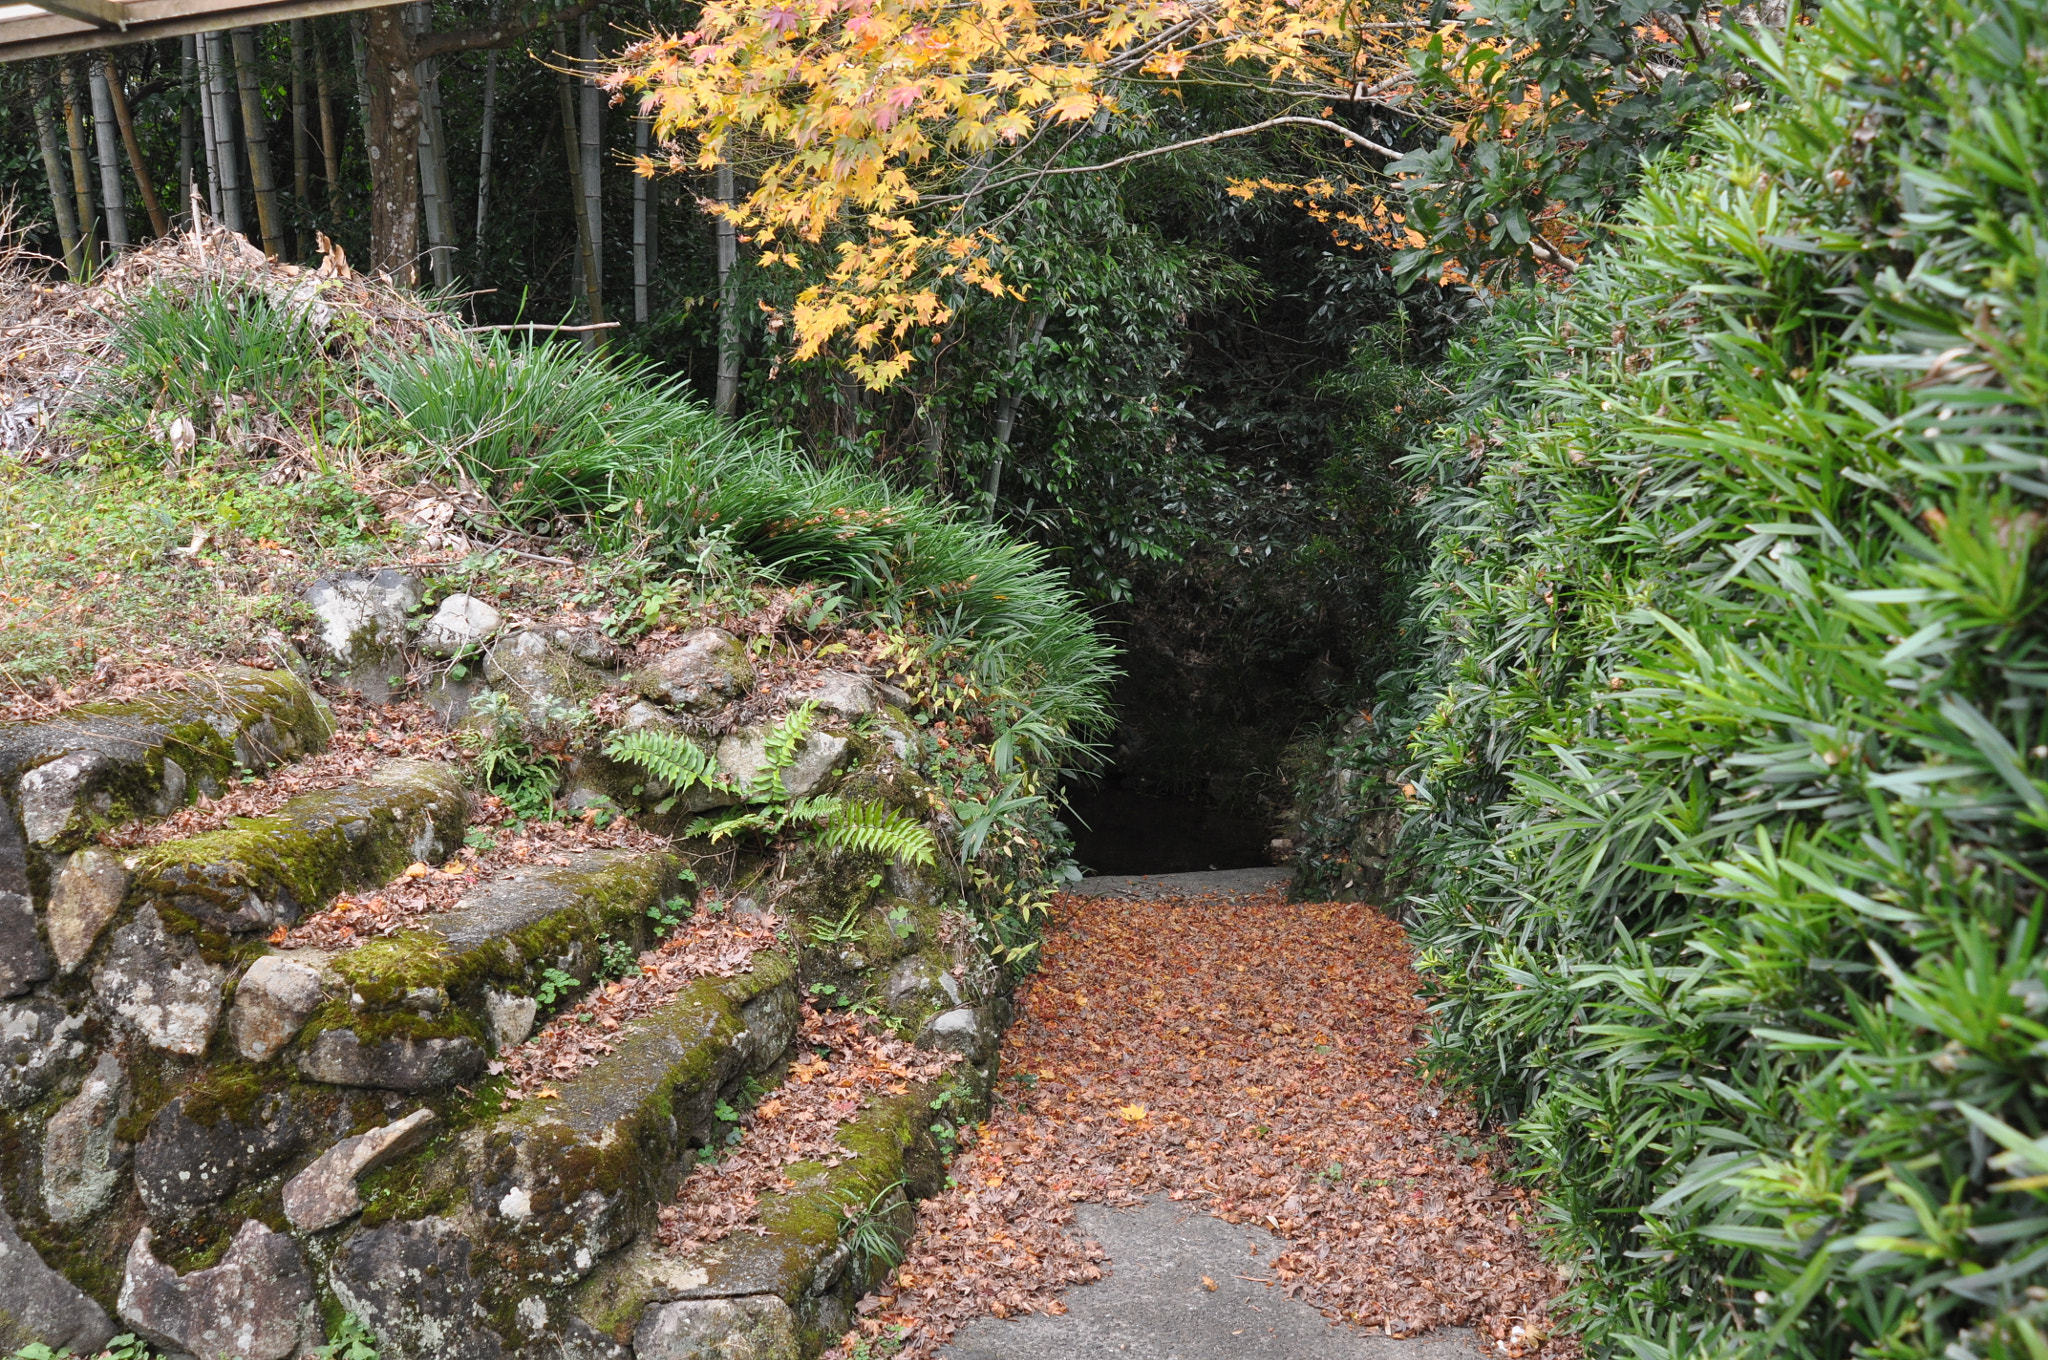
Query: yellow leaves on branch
<point x="847" y="116"/>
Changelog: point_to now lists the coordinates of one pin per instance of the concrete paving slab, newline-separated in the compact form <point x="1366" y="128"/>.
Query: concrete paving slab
<point x="1153" y="1306"/>
<point x="1182" y="885"/>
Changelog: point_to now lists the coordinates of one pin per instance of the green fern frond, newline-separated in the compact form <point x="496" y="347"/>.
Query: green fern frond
<point x="875" y="829"/>
<point x="785" y="737"/>
<point x="716" y="829"/>
<point x="675" y="760"/>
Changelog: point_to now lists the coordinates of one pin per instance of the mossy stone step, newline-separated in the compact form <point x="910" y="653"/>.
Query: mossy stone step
<point x="258" y="873"/>
<point x="424" y="1007"/>
<point x="101" y="764"/>
<point x="535" y="1197"/>
<point x="796" y="1284"/>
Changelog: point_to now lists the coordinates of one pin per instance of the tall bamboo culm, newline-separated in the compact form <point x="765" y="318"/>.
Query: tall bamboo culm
<point x="226" y="163"/>
<point x="256" y="132"/>
<point x="81" y="163"/>
<point x="586" y="265"/>
<point x="138" y="166"/>
<point x="61" y="205"/>
<point x="112" y="193"/>
<point x="302" y="142"/>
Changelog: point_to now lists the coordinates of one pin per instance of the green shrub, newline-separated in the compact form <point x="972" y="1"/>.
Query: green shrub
<point x="183" y="350"/>
<point x="1731" y="724"/>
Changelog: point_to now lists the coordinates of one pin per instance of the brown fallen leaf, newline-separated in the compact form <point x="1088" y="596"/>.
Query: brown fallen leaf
<point x="1208" y="1284"/>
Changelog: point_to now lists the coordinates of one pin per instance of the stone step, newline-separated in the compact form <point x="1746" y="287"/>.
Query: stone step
<point x="525" y="1204"/>
<point x="102" y="764"/>
<point x="192" y="901"/>
<point x="423" y="1009"/>
<point x="789" y="1292"/>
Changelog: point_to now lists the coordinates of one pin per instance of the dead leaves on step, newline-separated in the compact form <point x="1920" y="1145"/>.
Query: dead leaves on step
<point x="709" y="944"/>
<point x="840" y="1067"/>
<point x="1250" y="1057"/>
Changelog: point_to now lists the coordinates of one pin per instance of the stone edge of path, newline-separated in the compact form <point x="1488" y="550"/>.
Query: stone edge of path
<point x="1182" y="885"/>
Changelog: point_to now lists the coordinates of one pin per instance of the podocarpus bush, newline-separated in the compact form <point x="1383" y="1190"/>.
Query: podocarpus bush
<point x="1731" y="730"/>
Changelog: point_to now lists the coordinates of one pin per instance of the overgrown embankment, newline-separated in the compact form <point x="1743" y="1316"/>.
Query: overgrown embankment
<point x="1725" y="755"/>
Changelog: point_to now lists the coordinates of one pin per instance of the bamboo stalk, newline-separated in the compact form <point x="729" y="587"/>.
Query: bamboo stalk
<point x="593" y="146"/>
<point x="483" y="156"/>
<point x="111" y="191"/>
<point x="81" y="167"/>
<point x="641" y="185"/>
<point x="159" y="222"/>
<point x="330" y="135"/>
<point x="226" y="164"/>
<point x="256" y="132"/>
<point x="728" y="305"/>
<point x="433" y="143"/>
<point x="186" y="170"/>
<point x="209" y="139"/>
<point x="302" y="138"/>
<point x="53" y="170"/>
<point x="593" y="298"/>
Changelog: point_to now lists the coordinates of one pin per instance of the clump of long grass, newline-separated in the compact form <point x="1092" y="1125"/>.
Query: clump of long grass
<point x="551" y="432"/>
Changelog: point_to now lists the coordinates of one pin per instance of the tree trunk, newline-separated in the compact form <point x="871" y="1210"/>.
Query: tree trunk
<point x="81" y="164"/>
<point x="226" y="163"/>
<point x="187" y="180"/>
<point x="208" y="138"/>
<point x="642" y="187"/>
<point x="103" y="134"/>
<point x="593" y="296"/>
<point x="483" y="155"/>
<point x="159" y="222"/>
<point x="1006" y="412"/>
<point x="593" y="152"/>
<point x="394" y="145"/>
<point x="330" y="134"/>
<point x="256" y="130"/>
<point x="302" y="141"/>
<point x="61" y="207"/>
<point x="728" y="303"/>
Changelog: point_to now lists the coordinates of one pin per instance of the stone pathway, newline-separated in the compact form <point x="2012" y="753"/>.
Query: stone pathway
<point x="1211" y="1143"/>
<point x="1155" y="1306"/>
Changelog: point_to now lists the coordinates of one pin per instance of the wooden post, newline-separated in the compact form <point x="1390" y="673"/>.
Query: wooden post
<point x="103" y="135"/>
<point x="728" y="304"/>
<point x="256" y="131"/>
<point x="81" y="166"/>
<point x="159" y="222"/>
<point x="61" y="207"/>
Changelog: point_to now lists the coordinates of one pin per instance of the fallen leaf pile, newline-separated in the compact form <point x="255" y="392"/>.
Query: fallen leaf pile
<point x="841" y="1067"/>
<point x="709" y="944"/>
<point x="365" y="736"/>
<point x="424" y="891"/>
<point x="1250" y="1056"/>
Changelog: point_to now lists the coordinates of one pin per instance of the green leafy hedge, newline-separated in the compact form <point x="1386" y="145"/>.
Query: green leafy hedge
<point x="1730" y="732"/>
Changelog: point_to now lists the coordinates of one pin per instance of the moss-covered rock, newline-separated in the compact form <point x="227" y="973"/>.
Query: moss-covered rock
<point x="102" y="764"/>
<point x="262" y="872"/>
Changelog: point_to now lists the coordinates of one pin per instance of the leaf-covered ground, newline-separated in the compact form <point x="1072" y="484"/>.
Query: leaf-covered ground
<point x="1252" y="1056"/>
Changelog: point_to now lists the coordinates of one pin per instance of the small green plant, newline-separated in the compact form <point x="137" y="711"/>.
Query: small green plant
<point x="554" y="985"/>
<point x="844" y="930"/>
<point x="870" y="1237"/>
<point x="725" y="1113"/>
<point x="617" y="958"/>
<point x="670" y="913"/>
<point x="506" y="764"/>
<point x="479" y="839"/>
<point x="876" y="829"/>
<point x="352" y="1341"/>
<point x="901" y="923"/>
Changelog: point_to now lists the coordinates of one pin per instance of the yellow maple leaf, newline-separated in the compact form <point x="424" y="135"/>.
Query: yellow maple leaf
<point x="1132" y="1114"/>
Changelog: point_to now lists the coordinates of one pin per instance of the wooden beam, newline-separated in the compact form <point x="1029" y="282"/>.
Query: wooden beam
<point x="98" y="13"/>
<point x="49" y="34"/>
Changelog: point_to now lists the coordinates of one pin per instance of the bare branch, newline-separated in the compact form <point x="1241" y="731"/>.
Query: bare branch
<point x="500" y="34"/>
<point x="1346" y="133"/>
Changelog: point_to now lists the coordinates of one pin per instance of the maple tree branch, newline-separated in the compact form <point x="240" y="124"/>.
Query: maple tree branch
<point x="495" y="35"/>
<point x="1291" y="118"/>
